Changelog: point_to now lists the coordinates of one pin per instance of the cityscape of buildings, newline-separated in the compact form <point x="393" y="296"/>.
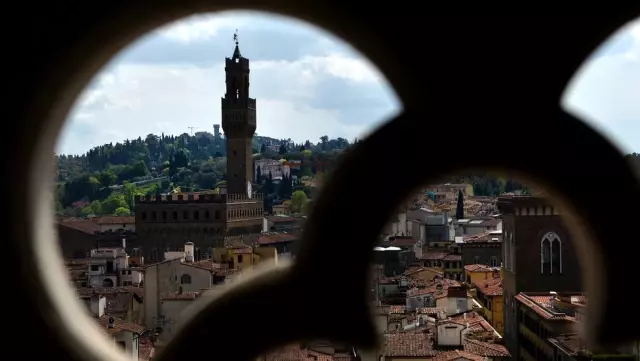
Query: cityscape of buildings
<point x="455" y="277"/>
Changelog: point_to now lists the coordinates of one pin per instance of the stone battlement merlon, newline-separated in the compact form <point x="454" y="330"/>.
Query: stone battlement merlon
<point x="198" y="198"/>
<point x="242" y="198"/>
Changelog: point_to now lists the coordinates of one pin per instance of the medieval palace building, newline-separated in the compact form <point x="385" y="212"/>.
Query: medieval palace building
<point x="165" y="223"/>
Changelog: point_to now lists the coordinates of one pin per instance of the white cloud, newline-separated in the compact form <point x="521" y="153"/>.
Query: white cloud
<point x="322" y="87"/>
<point x="635" y="30"/>
<point x="199" y="27"/>
<point x="136" y="99"/>
<point x="606" y="91"/>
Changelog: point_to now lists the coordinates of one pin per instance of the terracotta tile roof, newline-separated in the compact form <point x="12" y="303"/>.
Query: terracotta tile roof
<point x="408" y="345"/>
<point x="135" y="290"/>
<point x="276" y="238"/>
<point x="413" y="270"/>
<point x="397" y="309"/>
<point x="83" y="225"/>
<point x="480" y="268"/>
<point x="114" y="220"/>
<point x="207" y="265"/>
<point x="430" y="310"/>
<point x="490" y="287"/>
<point x="340" y="356"/>
<point x="296" y="353"/>
<point x="570" y="342"/>
<point x="315" y="355"/>
<point x="119" y="303"/>
<point x="244" y="250"/>
<point x="224" y="272"/>
<point x="475" y="321"/>
<point x="482" y="237"/>
<point x="181" y="296"/>
<point x="434" y="255"/>
<point x="456" y="355"/>
<point x="145" y="350"/>
<point x="118" y="299"/>
<point x="485" y="349"/>
<point x="542" y="304"/>
<point x="453" y="257"/>
<point x="119" y="326"/>
<point x="433" y="288"/>
<point x="420" y="283"/>
<point x="403" y="242"/>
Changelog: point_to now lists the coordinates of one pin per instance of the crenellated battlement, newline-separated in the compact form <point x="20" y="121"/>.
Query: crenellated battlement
<point x="242" y="198"/>
<point x="198" y="198"/>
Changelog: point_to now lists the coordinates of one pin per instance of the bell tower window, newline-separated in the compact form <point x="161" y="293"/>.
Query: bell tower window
<point x="551" y="254"/>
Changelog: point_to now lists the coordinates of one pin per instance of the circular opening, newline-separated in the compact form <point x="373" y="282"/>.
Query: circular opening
<point x="83" y="332"/>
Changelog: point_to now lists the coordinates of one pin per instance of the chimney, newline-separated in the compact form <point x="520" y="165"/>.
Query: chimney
<point x="188" y="252"/>
<point x="124" y="242"/>
<point x="112" y="322"/>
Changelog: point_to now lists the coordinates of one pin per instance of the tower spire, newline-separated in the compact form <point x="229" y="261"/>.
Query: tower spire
<point x="236" y="52"/>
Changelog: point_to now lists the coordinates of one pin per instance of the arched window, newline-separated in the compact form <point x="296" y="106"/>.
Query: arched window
<point x="108" y="282"/>
<point x="551" y="250"/>
<point x="545" y="255"/>
<point x="154" y="254"/>
<point x="494" y="261"/>
<point x="556" y="255"/>
<point x="185" y="279"/>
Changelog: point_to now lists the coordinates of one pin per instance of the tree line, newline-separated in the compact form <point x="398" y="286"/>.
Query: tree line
<point x="106" y="179"/>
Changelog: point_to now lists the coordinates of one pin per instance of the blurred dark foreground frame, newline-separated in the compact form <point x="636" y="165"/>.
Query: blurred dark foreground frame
<point x="464" y="81"/>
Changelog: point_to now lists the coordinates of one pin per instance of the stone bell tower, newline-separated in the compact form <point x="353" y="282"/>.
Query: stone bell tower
<point x="238" y="122"/>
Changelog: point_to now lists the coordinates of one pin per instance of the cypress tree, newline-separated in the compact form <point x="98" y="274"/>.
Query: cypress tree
<point x="460" y="207"/>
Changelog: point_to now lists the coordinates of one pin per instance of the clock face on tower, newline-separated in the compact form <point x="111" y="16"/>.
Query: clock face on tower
<point x="249" y="189"/>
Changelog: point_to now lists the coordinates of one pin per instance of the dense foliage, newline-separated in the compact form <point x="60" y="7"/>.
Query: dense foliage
<point x="106" y="179"/>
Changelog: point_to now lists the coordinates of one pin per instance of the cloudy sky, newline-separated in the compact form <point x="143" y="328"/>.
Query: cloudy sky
<point x="307" y="84"/>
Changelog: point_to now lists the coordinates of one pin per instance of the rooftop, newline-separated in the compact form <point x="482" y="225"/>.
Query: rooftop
<point x="119" y="326"/>
<point x="181" y="296"/>
<point x="274" y="237"/>
<point x="483" y="237"/>
<point x="553" y="306"/>
<point x="480" y="268"/>
<point x="409" y="345"/>
<point x="296" y="352"/>
<point x="490" y="287"/>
